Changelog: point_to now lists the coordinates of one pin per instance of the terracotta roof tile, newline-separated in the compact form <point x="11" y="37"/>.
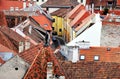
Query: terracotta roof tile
<point x="30" y="54"/>
<point x="106" y="55"/>
<point x="38" y="68"/>
<point x="97" y="2"/>
<point x="43" y="21"/>
<point x="13" y="38"/>
<point x="5" y="49"/>
<point x="81" y="16"/>
<point x="12" y="34"/>
<point x="33" y="35"/>
<point x="6" y="4"/>
<point x="85" y="21"/>
<point x="60" y="12"/>
<point x="60" y="3"/>
<point x="2" y="19"/>
<point x="6" y="42"/>
<point x="118" y="2"/>
<point x="93" y="70"/>
<point x="75" y="11"/>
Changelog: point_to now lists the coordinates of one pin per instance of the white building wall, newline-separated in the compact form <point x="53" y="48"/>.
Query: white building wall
<point x="52" y="9"/>
<point x="92" y="34"/>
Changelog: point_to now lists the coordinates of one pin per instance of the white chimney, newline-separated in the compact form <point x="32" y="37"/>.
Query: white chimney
<point x="49" y="70"/>
<point x="100" y="8"/>
<point x="27" y="45"/>
<point x="24" y="4"/>
<point x="87" y="7"/>
<point x="21" y="46"/>
<point x="92" y="7"/>
<point x="75" y="54"/>
<point x="30" y="29"/>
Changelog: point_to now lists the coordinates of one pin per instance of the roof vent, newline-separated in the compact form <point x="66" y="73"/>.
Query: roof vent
<point x="83" y="44"/>
<point x="108" y="49"/>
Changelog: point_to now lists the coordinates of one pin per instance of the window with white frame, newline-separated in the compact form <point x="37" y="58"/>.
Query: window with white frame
<point x="82" y="57"/>
<point x="96" y="58"/>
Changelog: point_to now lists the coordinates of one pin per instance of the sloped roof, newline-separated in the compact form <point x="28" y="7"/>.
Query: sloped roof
<point x="11" y="34"/>
<point x="5" y="49"/>
<point x="38" y="68"/>
<point x="75" y="11"/>
<point x="60" y="3"/>
<point x="97" y="2"/>
<point x="43" y="22"/>
<point x="30" y="54"/>
<point x="2" y="19"/>
<point x="118" y="2"/>
<point x="84" y="21"/>
<point x="12" y="37"/>
<point x="60" y="12"/>
<point x="93" y="70"/>
<point x="78" y="19"/>
<point x="6" y="4"/>
<point x="6" y="42"/>
<point x="107" y="54"/>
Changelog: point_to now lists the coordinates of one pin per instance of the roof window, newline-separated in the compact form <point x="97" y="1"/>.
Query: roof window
<point x="82" y="57"/>
<point x="96" y="58"/>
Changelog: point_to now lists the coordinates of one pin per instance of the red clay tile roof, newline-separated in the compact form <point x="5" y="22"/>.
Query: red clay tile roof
<point x="34" y="35"/>
<point x="118" y="2"/>
<point x="6" y="42"/>
<point x="113" y="22"/>
<point x="85" y="21"/>
<point x="61" y="12"/>
<point x="6" y="4"/>
<point x="105" y="56"/>
<point x="75" y="11"/>
<point x="91" y="70"/>
<point x="30" y="54"/>
<point x="5" y="49"/>
<point x="43" y="21"/>
<point x="12" y="34"/>
<point x="78" y="19"/>
<point x="97" y="2"/>
<point x="13" y="37"/>
<point x="2" y="19"/>
<point x="60" y="3"/>
<point x="38" y="69"/>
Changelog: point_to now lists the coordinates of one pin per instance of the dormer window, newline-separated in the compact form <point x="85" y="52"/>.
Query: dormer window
<point x="96" y="58"/>
<point x="82" y="57"/>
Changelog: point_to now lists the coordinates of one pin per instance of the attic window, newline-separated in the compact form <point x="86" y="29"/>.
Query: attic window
<point x="46" y="25"/>
<point x="96" y="58"/>
<point x="82" y="57"/>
